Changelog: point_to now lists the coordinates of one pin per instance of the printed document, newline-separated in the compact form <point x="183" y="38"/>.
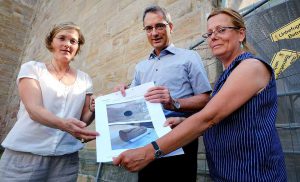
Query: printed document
<point x="127" y="122"/>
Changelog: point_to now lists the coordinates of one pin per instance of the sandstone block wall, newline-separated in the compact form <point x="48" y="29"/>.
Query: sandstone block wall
<point x="15" y="21"/>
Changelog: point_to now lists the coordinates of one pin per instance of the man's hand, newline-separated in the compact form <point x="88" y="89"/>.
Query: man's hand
<point x="160" y="94"/>
<point x="92" y="103"/>
<point x="135" y="159"/>
<point x="121" y="87"/>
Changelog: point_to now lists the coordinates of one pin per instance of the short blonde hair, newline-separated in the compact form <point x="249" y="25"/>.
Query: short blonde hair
<point x="64" y="26"/>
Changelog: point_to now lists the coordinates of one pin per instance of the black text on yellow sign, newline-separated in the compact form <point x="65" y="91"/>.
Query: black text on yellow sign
<point x="282" y="60"/>
<point x="289" y="31"/>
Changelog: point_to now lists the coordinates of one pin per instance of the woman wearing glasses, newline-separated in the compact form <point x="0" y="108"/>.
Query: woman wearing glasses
<point x="238" y="124"/>
<point x="54" y="112"/>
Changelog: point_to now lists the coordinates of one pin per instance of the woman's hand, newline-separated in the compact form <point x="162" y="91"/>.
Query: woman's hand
<point x="174" y="121"/>
<point x="135" y="159"/>
<point x="78" y="129"/>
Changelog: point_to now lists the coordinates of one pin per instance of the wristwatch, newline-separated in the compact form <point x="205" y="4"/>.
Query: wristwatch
<point x="175" y="104"/>
<point x="158" y="153"/>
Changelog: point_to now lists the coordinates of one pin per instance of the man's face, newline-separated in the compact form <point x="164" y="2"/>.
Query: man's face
<point x="159" y="36"/>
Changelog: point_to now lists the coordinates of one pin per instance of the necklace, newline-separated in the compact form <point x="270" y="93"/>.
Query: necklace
<point x="57" y="73"/>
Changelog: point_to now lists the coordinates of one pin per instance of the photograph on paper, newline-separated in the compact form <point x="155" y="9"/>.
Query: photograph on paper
<point x="135" y="110"/>
<point x="130" y="136"/>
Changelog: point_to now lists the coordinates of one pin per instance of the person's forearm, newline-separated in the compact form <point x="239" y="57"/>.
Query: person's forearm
<point x="88" y="117"/>
<point x="184" y="133"/>
<point x="88" y="110"/>
<point x="43" y="116"/>
<point x="194" y="103"/>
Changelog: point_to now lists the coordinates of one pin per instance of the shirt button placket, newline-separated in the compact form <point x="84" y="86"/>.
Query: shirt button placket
<point x="156" y="68"/>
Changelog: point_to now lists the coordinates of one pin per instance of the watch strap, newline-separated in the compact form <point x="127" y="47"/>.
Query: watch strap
<point x="175" y="103"/>
<point x="155" y="146"/>
<point x="158" y="153"/>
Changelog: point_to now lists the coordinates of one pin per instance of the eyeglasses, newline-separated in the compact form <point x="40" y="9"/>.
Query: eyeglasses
<point x="157" y="27"/>
<point x="218" y="30"/>
<point x="63" y="39"/>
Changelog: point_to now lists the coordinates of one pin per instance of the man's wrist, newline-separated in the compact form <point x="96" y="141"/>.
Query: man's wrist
<point x="175" y="104"/>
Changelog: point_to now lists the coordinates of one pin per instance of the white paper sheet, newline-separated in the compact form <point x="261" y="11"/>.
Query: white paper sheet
<point x="127" y="122"/>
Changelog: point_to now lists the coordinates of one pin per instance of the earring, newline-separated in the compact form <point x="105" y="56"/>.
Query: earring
<point x="242" y="45"/>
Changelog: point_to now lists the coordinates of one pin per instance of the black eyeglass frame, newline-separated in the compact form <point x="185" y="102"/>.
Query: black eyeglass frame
<point x="208" y="34"/>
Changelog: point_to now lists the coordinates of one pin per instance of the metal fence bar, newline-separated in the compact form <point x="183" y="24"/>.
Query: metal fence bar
<point x="98" y="171"/>
<point x="245" y="13"/>
<point x="288" y="126"/>
<point x="288" y="93"/>
<point x="197" y="44"/>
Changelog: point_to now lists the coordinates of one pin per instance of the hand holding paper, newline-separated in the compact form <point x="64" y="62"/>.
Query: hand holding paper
<point x="159" y="94"/>
<point x="134" y="160"/>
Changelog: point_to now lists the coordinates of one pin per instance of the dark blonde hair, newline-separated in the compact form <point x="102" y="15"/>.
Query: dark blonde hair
<point x="237" y="20"/>
<point x="64" y="26"/>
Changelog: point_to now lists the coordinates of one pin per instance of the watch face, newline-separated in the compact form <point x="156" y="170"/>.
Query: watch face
<point x="158" y="154"/>
<point x="177" y="105"/>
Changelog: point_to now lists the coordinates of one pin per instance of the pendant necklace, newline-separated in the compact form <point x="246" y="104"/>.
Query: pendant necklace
<point x="56" y="72"/>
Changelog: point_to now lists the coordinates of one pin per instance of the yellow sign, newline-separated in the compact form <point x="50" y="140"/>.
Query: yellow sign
<point x="283" y="59"/>
<point x="289" y="31"/>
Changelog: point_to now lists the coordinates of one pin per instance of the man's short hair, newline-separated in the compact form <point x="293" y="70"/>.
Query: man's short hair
<point x="156" y="9"/>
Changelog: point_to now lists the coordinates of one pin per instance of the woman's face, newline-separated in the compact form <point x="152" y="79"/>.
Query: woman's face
<point x="226" y="38"/>
<point x="65" y="44"/>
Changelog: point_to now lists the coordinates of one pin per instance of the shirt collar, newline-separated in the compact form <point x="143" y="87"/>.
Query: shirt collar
<point x="169" y="50"/>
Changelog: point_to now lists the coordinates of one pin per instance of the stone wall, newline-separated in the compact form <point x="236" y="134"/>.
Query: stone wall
<point x="16" y="19"/>
<point x="239" y="4"/>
